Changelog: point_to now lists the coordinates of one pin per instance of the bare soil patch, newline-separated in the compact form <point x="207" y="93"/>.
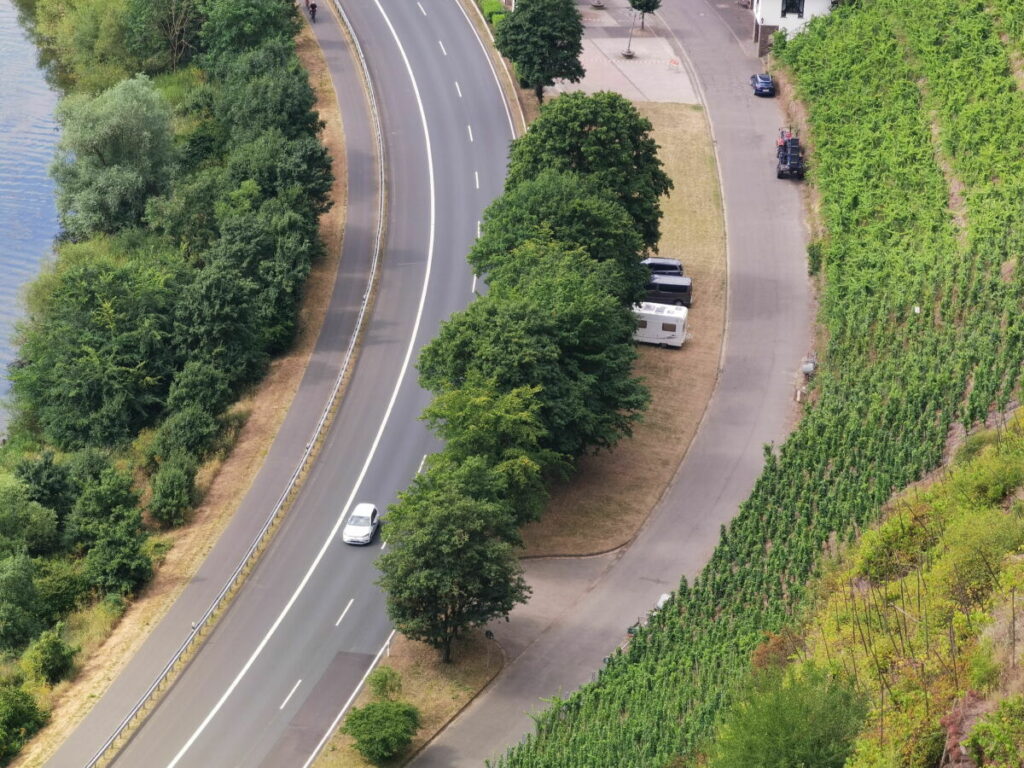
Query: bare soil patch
<point x="605" y="503"/>
<point x="226" y="480"/>
<point x="440" y="691"/>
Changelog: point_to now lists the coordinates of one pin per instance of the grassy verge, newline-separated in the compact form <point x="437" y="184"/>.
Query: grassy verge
<point x="440" y="691"/>
<point x="108" y="644"/>
<point x="609" y="498"/>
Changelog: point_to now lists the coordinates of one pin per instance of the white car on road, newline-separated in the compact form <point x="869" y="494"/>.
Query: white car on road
<point x="362" y="525"/>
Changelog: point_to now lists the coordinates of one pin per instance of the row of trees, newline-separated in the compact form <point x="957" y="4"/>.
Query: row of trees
<point x="535" y="373"/>
<point x="190" y="181"/>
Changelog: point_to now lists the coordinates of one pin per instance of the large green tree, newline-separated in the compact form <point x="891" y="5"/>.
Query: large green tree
<point x="232" y="26"/>
<point x="600" y="135"/>
<point x="496" y="438"/>
<point x="644" y="7"/>
<point x="571" y="209"/>
<point x="19" y="603"/>
<point x="544" y="39"/>
<point x="553" y="324"/>
<point x="25" y="525"/>
<point x="116" y="151"/>
<point x="447" y="569"/>
<point x="95" y="360"/>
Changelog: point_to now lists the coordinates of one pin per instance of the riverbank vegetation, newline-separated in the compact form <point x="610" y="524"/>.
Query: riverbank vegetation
<point x="915" y="116"/>
<point x="190" y="185"/>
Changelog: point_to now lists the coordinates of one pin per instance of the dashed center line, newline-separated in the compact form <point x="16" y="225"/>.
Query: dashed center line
<point x="344" y="612"/>
<point x="290" y="693"/>
<point x="458" y="89"/>
<point x="420" y="468"/>
<point x="473" y="289"/>
<point x="478" y="227"/>
<point x="476" y="175"/>
<point x="421" y="9"/>
<point x="469" y="130"/>
<point x="442" y="48"/>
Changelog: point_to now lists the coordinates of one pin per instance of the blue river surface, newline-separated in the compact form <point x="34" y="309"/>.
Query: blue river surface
<point x="28" y="137"/>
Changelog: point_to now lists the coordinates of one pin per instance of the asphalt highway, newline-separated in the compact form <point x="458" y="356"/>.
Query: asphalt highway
<point x="291" y="650"/>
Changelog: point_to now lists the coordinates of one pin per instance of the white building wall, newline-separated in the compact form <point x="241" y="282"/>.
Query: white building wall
<point x="769" y="13"/>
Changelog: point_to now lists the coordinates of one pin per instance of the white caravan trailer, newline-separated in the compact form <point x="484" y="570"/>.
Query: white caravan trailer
<point x="663" y="324"/>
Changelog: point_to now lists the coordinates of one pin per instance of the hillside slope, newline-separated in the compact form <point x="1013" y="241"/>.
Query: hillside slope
<point x="917" y="127"/>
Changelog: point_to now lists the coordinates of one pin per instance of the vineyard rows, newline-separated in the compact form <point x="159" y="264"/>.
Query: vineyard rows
<point x="922" y="307"/>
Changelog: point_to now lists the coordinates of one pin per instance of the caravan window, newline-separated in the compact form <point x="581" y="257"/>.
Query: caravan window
<point x="643" y="324"/>
<point x="670" y="327"/>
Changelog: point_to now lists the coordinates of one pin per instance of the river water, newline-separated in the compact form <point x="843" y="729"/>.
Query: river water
<point x="28" y="136"/>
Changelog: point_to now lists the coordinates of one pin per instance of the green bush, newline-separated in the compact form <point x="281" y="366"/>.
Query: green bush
<point x="60" y="587"/>
<point x="382" y="729"/>
<point x="491" y="7"/>
<point x="49" y="659"/>
<point x="895" y="546"/>
<point x="188" y="431"/>
<point x="984" y="669"/>
<point x="385" y="683"/>
<point x="20" y="718"/>
<point x="497" y="17"/>
<point x="173" y="489"/>
<point x="199" y="383"/>
<point x="803" y="718"/>
<point x="997" y="741"/>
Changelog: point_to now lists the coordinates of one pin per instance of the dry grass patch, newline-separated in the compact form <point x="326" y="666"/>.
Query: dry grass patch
<point x="611" y="495"/>
<point x="108" y="644"/>
<point x="440" y="691"/>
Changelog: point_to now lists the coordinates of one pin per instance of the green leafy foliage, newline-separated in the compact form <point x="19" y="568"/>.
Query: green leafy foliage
<point x="173" y="489"/>
<point x="601" y="136"/>
<point x="544" y="39"/>
<point x="782" y="720"/>
<point x="572" y="210"/>
<point x="382" y="729"/>
<point x="997" y="741"/>
<point x="49" y="659"/>
<point x="25" y="525"/>
<point x="115" y="151"/>
<point x="20" y="718"/>
<point x="231" y="27"/>
<point x="385" y="683"/>
<point x="19" y="603"/>
<point x="449" y="566"/>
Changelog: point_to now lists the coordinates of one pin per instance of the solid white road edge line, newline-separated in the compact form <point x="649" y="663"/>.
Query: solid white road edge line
<point x="352" y="600"/>
<point x="497" y="82"/>
<point x="442" y="48"/>
<point x="380" y="431"/>
<point x="344" y="709"/>
<point x="291" y="693"/>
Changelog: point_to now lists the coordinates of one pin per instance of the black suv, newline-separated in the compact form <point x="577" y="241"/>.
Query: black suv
<point x="670" y="289"/>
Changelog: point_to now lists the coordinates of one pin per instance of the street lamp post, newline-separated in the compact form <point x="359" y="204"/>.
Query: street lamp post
<point x="628" y="53"/>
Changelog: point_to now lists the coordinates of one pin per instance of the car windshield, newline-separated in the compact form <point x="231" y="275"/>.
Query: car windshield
<point x="360" y="520"/>
<point x="764" y="78"/>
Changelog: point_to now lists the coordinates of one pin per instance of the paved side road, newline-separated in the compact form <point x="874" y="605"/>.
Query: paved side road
<point x="768" y="333"/>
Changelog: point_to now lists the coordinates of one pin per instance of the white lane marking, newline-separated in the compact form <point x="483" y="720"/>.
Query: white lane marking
<point x="383" y="544"/>
<point x="469" y="130"/>
<point x="497" y="82"/>
<point x="442" y="48"/>
<point x="458" y="89"/>
<point x="420" y="468"/>
<point x="421" y="9"/>
<point x="380" y="431"/>
<point x="344" y="709"/>
<point x="352" y="600"/>
<point x="476" y="175"/>
<point x="478" y="228"/>
<point x="291" y="693"/>
<point x="473" y="289"/>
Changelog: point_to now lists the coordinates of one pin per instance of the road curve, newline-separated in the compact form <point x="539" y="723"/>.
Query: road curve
<point x="305" y="627"/>
<point x="767" y="333"/>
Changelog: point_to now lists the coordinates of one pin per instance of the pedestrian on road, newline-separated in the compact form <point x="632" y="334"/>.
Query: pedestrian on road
<point x="312" y="12"/>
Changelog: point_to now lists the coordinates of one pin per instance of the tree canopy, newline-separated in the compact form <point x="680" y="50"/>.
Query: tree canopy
<point x="603" y="136"/>
<point x="544" y="39"/>
<point x="115" y="152"/>
<point x="558" y="327"/>
<point x="447" y="568"/>
<point x="569" y="208"/>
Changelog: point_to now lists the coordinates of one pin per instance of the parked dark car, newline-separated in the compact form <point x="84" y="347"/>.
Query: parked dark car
<point x="763" y="84"/>
<point x="789" y="156"/>
<point x="659" y="265"/>
<point x="670" y="289"/>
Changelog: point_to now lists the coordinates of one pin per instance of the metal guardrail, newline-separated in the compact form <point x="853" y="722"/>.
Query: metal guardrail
<point x="108" y="749"/>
